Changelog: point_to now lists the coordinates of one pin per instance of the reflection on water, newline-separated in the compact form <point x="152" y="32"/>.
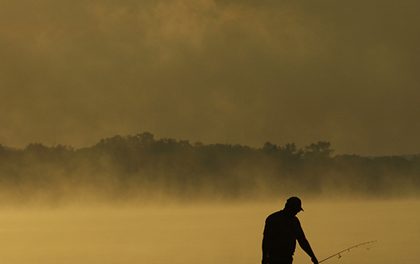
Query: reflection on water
<point x="206" y="234"/>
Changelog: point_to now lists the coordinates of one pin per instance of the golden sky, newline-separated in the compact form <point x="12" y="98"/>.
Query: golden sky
<point x="227" y="71"/>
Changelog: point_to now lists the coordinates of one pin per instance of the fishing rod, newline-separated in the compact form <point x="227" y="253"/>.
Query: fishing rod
<point x="348" y="250"/>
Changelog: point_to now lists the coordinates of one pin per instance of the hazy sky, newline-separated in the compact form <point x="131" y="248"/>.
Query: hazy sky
<point x="228" y="71"/>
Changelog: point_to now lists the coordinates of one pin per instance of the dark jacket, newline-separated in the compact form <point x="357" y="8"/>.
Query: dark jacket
<point x="280" y="234"/>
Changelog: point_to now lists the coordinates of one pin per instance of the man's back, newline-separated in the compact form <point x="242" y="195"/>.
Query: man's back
<point x="280" y="234"/>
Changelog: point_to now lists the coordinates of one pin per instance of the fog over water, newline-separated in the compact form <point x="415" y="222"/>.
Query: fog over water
<point x="138" y="199"/>
<point x="205" y="233"/>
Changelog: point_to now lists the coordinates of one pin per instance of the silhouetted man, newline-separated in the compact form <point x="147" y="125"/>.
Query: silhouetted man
<point x="281" y="231"/>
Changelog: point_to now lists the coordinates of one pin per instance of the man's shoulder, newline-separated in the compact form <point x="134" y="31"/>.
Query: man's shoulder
<point x="280" y="214"/>
<point x="275" y="215"/>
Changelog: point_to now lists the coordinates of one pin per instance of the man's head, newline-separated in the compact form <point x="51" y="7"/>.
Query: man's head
<point x="293" y="205"/>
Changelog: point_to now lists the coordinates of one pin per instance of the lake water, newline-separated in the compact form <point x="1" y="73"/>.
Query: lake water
<point x="205" y="233"/>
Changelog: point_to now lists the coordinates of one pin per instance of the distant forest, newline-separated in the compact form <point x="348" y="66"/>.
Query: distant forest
<point x="141" y="167"/>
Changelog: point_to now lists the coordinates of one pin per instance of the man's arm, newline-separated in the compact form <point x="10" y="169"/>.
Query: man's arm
<point x="304" y="244"/>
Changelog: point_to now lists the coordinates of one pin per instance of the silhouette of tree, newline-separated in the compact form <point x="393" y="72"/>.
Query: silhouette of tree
<point x="269" y="148"/>
<point x="321" y="149"/>
<point x="140" y="163"/>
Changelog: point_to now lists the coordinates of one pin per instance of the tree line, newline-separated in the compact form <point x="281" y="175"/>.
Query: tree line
<point x="123" y="167"/>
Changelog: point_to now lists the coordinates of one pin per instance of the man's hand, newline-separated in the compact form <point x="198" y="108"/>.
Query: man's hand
<point x="314" y="260"/>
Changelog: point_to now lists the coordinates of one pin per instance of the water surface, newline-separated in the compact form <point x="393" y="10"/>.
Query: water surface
<point x="204" y="233"/>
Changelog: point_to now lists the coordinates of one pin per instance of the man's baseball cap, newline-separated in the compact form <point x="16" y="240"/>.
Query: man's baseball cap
<point x="295" y="203"/>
